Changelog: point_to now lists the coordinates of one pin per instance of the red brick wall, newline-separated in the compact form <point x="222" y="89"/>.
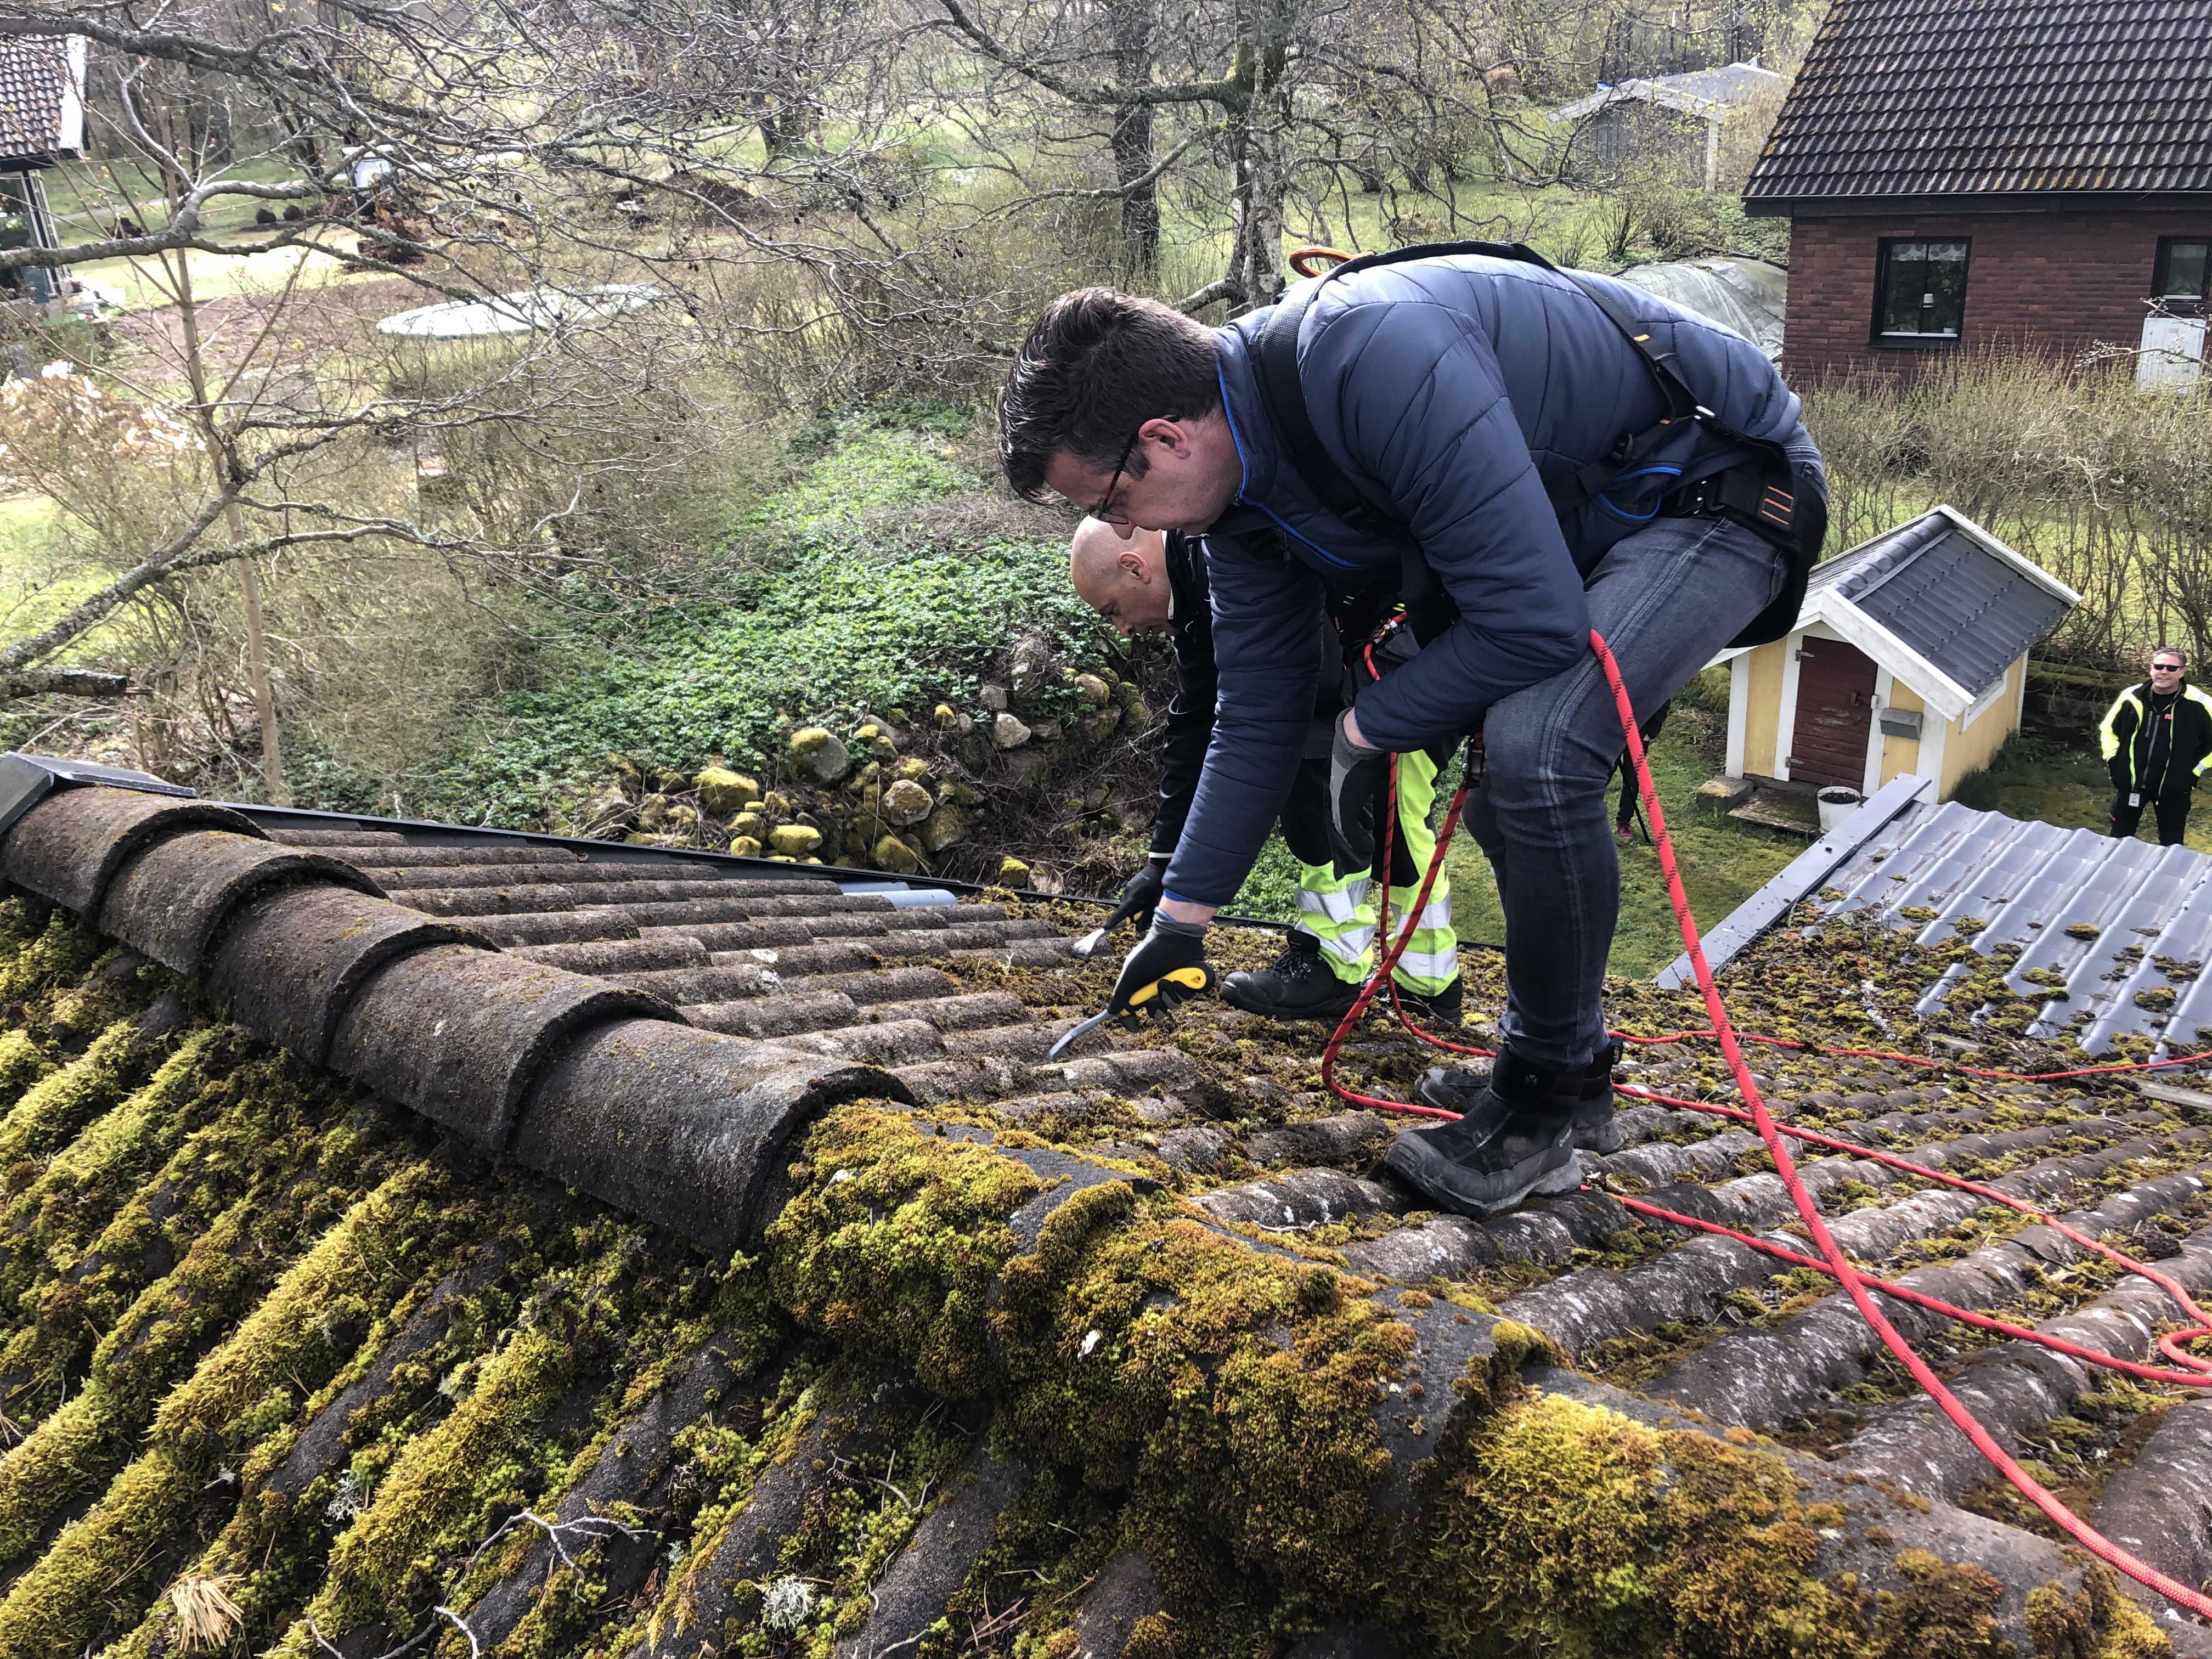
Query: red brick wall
<point x="2058" y="281"/>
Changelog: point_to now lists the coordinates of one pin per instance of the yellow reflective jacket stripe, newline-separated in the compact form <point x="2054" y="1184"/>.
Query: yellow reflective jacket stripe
<point x="2110" y="737"/>
<point x="2108" y="733"/>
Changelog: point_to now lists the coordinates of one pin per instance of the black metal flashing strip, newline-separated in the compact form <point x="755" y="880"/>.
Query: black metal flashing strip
<point x="1804" y="874"/>
<point x="26" y="779"/>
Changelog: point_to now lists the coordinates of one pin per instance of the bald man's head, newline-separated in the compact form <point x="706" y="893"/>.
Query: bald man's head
<point x="1125" y="581"/>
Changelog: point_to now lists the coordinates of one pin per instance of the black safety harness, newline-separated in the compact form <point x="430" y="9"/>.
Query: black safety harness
<point x="1759" y="492"/>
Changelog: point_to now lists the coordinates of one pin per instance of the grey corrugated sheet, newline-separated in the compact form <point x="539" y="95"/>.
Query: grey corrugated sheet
<point x="1955" y="602"/>
<point x="1972" y="97"/>
<point x="2030" y="883"/>
<point x="1729" y="84"/>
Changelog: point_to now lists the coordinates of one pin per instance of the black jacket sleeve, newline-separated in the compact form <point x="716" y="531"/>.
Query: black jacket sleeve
<point x="1189" y="723"/>
<point x="2192" y="742"/>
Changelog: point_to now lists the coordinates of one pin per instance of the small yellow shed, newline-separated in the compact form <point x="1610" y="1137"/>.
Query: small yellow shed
<point x="1910" y="655"/>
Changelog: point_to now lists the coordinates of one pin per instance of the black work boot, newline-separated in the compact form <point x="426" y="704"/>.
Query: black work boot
<point x="1299" y="985"/>
<point x="1586" y="1095"/>
<point x="1513" y="1142"/>
<point x="1433" y="1007"/>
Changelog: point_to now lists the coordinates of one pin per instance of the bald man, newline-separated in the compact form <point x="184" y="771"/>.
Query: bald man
<point x="1156" y="583"/>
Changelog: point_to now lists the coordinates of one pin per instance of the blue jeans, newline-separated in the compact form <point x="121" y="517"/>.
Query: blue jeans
<point x="1666" y="599"/>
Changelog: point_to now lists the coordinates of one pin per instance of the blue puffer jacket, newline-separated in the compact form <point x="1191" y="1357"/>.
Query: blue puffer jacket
<point x="1451" y="389"/>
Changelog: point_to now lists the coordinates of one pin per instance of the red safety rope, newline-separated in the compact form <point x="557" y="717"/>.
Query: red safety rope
<point x="2192" y="1370"/>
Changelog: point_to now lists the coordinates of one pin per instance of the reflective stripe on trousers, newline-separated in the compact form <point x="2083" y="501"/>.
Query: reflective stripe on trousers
<point x="1340" y="911"/>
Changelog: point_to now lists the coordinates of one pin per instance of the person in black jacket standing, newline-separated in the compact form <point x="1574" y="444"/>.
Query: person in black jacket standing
<point x="2157" y="741"/>
<point x="1157" y="584"/>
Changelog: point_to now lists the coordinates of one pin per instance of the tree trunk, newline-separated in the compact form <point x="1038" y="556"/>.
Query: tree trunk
<point x="1260" y="177"/>
<point x="1133" y="24"/>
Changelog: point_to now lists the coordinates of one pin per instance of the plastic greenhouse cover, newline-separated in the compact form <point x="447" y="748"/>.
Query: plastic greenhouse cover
<point x="1745" y="295"/>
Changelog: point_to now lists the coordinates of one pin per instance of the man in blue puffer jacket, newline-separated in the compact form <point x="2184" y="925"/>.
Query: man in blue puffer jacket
<point x="1464" y="397"/>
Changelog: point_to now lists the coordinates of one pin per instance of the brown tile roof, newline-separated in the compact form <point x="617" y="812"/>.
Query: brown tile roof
<point x="1904" y="98"/>
<point x="1145" y="1331"/>
<point x="41" y="98"/>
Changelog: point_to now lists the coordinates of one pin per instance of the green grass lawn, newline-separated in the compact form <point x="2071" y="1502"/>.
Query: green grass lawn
<point x="1723" y="862"/>
<point x="34" y="589"/>
<point x="2035" y="776"/>
<point x="144" y="284"/>
<point x="86" y="197"/>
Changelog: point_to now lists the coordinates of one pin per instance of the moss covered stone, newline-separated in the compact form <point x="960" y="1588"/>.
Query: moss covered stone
<point x="895" y="856"/>
<point x="724" y="792"/>
<point x="818" y="756"/>
<point x="906" y="802"/>
<point x="945" y="827"/>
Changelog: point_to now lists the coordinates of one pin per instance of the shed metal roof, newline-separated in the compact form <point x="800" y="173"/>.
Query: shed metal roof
<point x="1953" y="593"/>
<point x="2111" y="932"/>
<point x="1997" y="97"/>
<point x="1708" y="92"/>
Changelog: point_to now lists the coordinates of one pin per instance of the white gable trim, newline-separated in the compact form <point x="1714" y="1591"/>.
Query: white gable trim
<point x="1830" y="611"/>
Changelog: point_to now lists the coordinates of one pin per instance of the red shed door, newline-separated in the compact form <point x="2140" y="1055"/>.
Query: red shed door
<point x="1835" y="714"/>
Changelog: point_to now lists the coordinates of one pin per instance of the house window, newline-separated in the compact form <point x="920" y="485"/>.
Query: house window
<point x="1920" y="292"/>
<point x="2183" y="277"/>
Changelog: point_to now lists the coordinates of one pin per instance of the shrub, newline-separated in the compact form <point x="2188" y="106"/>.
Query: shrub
<point x="2108" y="488"/>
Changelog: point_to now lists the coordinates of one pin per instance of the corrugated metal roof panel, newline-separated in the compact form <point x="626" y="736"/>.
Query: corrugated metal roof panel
<point x="2093" y="917"/>
<point x="1974" y="97"/>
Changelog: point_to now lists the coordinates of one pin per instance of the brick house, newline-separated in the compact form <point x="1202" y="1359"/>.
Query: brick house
<point x="2029" y="173"/>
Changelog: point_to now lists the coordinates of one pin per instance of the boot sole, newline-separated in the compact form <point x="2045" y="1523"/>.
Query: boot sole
<point x="1549" y="1180"/>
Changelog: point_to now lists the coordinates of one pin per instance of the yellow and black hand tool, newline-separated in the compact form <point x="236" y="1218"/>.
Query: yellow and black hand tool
<point x="1168" y="967"/>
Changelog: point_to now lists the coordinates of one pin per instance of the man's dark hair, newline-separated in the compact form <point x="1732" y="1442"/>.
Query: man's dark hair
<point x="2171" y="651"/>
<point x="1097" y="366"/>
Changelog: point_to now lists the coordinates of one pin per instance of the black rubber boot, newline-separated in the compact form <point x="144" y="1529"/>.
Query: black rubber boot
<point x="1586" y="1095"/>
<point x="1299" y="986"/>
<point x="1433" y="1007"/>
<point x="1513" y="1144"/>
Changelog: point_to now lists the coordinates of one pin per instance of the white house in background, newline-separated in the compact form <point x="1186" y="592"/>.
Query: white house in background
<point x="1911" y="655"/>
<point x="1676" y="116"/>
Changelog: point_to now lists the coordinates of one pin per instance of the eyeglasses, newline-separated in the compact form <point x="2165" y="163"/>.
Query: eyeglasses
<point x="2165" y="668"/>
<point x="1106" y="501"/>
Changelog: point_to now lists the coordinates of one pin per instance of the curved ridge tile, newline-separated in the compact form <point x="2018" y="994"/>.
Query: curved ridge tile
<point x="170" y="899"/>
<point x="461" y="1034"/>
<point x="289" y="962"/>
<point x="684" y="1126"/>
<point x="69" y="847"/>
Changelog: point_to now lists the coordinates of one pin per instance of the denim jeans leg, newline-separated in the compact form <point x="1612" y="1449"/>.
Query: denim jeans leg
<point x="1667" y="601"/>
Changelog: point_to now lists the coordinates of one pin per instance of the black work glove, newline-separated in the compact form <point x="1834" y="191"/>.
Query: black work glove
<point x="1354" y="776"/>
<point x="1141" y="894"/>
<point x="1169" y="966"/>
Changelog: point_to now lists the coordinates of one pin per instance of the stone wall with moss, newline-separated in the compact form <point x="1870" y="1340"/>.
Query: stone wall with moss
<point x="1046" y="754"/>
